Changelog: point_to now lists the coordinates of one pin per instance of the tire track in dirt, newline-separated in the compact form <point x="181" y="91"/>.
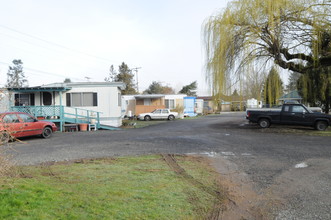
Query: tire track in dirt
<point x="220" y="197"/>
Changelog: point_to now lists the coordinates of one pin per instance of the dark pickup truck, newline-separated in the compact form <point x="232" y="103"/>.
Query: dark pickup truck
<point x="289" y="114"/>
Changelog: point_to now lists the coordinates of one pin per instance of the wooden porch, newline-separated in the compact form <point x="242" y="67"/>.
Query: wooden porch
<point x="62" y="115"/>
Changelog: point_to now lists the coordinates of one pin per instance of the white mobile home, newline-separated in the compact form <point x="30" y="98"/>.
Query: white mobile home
<point x="72" y="102"/>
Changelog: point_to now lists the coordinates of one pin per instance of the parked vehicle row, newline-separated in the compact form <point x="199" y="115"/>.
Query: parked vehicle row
<point x="20" y="124"/>
<point x="289" y="114"/>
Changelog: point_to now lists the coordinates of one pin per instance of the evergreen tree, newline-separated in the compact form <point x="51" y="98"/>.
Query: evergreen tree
<point x="293" y="81"/>
<point x="125" y="75"/>
<point x="315" y="85"/>
<point x="315" y="88"/>
<point x="189" y="89"/>
<point x="67" y="80"/>
<point x="273" y="88"/>
<point x="157" y="88"/>
<point x="15" y="75"/>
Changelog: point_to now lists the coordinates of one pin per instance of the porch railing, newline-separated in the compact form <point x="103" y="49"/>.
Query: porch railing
<point x="79" y="115"/>
<point x="61" y="114"/>
<point x="48" y="112"/>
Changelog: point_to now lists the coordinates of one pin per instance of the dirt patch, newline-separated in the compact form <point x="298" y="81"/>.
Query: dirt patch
<point x="245" y="203"/>
<point x="236" y="199"/>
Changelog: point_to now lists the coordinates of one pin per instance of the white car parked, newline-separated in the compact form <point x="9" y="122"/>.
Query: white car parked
<point x="158" y="114"/>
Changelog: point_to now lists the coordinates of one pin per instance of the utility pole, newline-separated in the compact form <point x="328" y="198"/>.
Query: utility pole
<point x="136" y="72"/>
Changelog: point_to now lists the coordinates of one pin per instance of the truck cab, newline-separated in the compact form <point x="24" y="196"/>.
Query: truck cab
<point x="296" y="114"/>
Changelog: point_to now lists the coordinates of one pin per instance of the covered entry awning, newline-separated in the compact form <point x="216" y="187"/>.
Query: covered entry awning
<point x="25" y="96"/>
<point x="149" y="96"/>
<point x="39" y="89"/>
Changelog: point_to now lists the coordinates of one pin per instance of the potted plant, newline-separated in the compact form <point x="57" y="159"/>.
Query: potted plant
<point x="83" y="127"/>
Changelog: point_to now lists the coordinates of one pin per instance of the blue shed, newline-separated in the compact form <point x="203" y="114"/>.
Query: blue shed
<point x="189" y="104"/>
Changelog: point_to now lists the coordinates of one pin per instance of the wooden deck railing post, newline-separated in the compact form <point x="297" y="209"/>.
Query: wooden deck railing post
<point x="61" y="117"/>
<point x="76" y="115"/>
<point x="98" y="120"/>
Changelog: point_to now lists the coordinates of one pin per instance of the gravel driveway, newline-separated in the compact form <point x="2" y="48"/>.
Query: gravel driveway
<point x="291" y="170"/>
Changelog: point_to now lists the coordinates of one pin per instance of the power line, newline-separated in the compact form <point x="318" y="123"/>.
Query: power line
<point x="41" y="71"/>
<point x="53" y="49"/>
<point x="57" y="58"/>
<point x="55" y="44"/>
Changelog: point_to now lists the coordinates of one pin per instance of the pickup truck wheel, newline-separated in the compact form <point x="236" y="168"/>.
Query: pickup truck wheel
<point x="171" y="117"/>
<point x="264" y="123"/>
<point x="321" y="125"/>
<point x="147" y="118"/>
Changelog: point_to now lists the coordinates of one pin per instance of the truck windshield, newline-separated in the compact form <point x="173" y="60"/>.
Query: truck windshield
<point x="305" y="107"/>
<point x="310" y="111"/>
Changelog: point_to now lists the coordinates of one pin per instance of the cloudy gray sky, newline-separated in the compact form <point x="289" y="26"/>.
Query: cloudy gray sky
<point x="82" y="38"/>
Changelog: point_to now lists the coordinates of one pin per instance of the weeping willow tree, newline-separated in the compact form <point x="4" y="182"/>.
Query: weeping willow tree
<point x="273" y="88"/>
<point x="264" y="33"/>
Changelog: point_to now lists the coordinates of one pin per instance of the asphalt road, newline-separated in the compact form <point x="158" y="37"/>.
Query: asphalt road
<point x="289" y="167"/>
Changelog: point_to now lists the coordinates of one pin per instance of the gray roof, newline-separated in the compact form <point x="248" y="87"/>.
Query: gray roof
<point x="293" y="95"/>
<point x="149" y="96"/>
<point x="120" y="85"/>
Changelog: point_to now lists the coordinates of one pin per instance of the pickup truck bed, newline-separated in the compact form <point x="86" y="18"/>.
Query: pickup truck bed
<point x="289" y="114"/>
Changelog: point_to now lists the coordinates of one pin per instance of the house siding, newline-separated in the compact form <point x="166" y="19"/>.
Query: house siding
<point x="4" y="100"/>
<point x="107" y="103"/>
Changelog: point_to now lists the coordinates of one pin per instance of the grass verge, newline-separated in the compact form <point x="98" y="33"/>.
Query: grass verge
<point x="127" y="124"/>
<point x="145" y="187"/>
<point x="297" y="130"/>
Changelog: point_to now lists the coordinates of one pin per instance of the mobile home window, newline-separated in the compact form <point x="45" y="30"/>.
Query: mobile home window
<point x="81" y="99"/>
<point x="170" y="103"/>
<point x="25" y="99"/>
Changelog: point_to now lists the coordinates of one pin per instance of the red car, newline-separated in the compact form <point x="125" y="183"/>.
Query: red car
<point x="20" y="124"/>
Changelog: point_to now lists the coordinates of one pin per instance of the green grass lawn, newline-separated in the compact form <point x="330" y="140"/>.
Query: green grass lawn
<point x="127" y="124"/>
<point x="297" y="130"/>
<point x="119" y="188"/>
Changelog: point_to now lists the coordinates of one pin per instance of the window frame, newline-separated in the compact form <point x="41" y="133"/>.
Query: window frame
<point x="168" y="103"/>
<point x="69" y="99"/>
<point x="30" y="97"/>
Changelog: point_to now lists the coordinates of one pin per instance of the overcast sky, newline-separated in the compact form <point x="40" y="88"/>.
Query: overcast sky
<point x="81" y="38"/>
